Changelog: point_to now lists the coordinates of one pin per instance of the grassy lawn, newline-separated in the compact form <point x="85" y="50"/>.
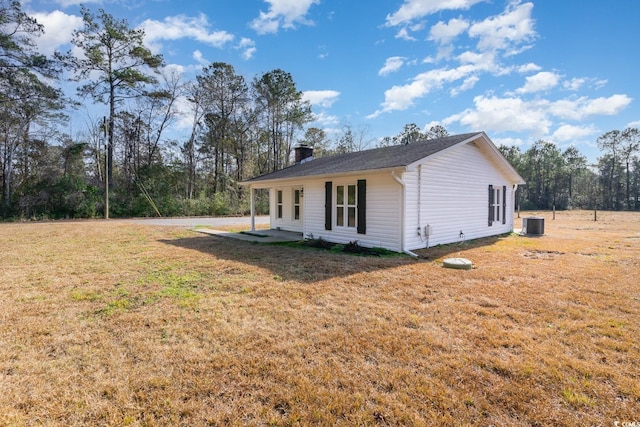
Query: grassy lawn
<point x="108" y="323"/>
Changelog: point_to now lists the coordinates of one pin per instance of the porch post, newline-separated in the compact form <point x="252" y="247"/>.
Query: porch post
<point x="253" y="209"/>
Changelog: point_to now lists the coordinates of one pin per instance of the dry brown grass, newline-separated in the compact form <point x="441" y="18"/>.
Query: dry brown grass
<point x="105" y="323"/>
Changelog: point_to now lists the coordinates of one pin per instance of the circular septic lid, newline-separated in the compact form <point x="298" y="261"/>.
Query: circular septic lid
<point x="458" y="263"/>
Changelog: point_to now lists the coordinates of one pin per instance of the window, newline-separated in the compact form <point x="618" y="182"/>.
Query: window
<point x="279" y="205"/>
<point x="350" y="206"/>
<point x="328" y="203"/>
<point x="296" y="204"/>
<point x="340" y="205"/>
<point x="497" y="204"/>
<point x="346" y="207"/>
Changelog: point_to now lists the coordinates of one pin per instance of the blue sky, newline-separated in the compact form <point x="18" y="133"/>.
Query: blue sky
<point x="563" y="71"/>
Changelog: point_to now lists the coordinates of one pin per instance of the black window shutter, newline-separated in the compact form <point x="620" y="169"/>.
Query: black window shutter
<point x="490" y="205"/>
<point x="362" y="206"/>
<point x="504" y="204"/>
<point x="328" y="196"/>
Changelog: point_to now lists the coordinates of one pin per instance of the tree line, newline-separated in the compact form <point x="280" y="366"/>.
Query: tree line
<point x="566" y="180"/>
<point x="239" y="128"/>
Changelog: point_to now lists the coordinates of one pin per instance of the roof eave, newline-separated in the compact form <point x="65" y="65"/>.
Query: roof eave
<point x="266" y="183"/>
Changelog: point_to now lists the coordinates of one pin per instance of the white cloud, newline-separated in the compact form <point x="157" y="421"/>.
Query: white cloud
<point x="495" y="114"/>
<point x="606" y="106"/>
<point x="185" y="111"/>
<point x="513" y="114"/>
<point x="282" y="13"/>
<point x="445" y="51"/>
<point x="402" y="97"/>
<point x="391" y="65"/>
<point x="489" y="61"/>
<point x="176" y="69"/>
<point x="635" y="124"/>
<point x="578" y="83"/>
<point x="197" y="55"/>
<point x="248" y="53"/>
<point x="574" y="84"/>
<point x="444" y="33"/>
<point x="58" y="30"/>
<point x="600" y="83"/>
<point x="327" y="122"/>
<point x="431" y="124"/>
<point x="67" y="3"/>
<point x="416" y="9"/>
<point x="323" y="98"/>
<point x="181" y="26"/>
<point x="399" y="98"/>
<point x="528" y="68"/>
<point x="580" y="108"/>
<point x="248" y="48"/>
<point x="375" y="114"/>
<point x="571" y="132"/>
<point x="542" y="81"/>
<point x="467" y="84"/>
<point x="482" y="61"/>
<point x="403" y="34"/>
<point x="506" y="31"/>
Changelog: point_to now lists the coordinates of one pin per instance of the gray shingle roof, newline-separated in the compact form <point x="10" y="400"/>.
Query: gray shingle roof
<point x="373" y="159"/>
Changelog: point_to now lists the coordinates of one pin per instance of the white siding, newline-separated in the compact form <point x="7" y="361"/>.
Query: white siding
<point x="287" y="222"/>
<point x="447" y="191"/>
<point x="453" y="198"/>
<point x="383" y="212"/>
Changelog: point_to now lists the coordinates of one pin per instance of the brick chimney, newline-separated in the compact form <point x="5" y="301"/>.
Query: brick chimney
<point x="304" y="153"/>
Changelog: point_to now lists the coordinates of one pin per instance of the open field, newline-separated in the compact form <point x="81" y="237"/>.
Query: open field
<point x="109" y="323"/>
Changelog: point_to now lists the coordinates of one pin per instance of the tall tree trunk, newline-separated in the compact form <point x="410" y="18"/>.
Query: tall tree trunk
<point x="8" y="171"/>
<point x="611" y="176"/>
<point x="112" y="112"/>
<point x="628" y="187"/>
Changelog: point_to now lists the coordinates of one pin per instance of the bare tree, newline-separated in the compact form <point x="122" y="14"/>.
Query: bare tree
<point x="437" y="131"/>
<point x="115" y="63"/>
<point x="409" y="134"/>
<point x="190" y="149"/>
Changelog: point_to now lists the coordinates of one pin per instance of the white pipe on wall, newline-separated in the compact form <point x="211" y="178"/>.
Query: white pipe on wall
<point x="402" y="214"/>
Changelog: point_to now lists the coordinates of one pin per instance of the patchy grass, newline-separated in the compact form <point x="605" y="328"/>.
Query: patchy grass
<point x="107" y="323"/>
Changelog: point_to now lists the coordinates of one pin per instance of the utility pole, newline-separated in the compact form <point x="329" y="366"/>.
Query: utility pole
<point x="594" y="182"/>
<point x="106" y="167"/>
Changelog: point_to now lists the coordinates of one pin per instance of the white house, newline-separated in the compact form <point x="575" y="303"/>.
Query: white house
<point x="402" y="198"/>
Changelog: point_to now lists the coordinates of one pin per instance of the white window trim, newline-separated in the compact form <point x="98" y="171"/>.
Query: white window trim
<point x="345" y="206"/>
<point x="279" y="204"/>
<point x="498" y="200"/>
<point x="294" y="204"/>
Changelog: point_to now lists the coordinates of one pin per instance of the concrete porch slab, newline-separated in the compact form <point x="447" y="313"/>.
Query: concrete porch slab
<point x="258" y="236"/>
